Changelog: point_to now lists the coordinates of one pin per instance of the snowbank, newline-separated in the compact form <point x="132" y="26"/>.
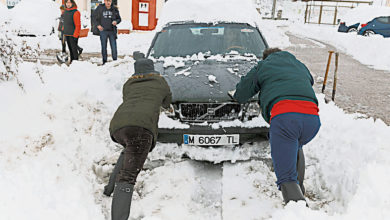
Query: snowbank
<point x="36" y="17"/>
<point x="209" y="11"/>
<point x="373" y="51"/>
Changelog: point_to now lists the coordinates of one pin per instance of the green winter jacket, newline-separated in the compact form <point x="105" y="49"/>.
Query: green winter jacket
<point x="279" y="77"/>
<point x="143" y="95"/>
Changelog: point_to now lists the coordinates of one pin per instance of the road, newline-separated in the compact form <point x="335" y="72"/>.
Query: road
<point x="359" y="87"/>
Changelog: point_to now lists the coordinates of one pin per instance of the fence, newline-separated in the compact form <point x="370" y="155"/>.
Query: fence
<point x="326" y="12"/>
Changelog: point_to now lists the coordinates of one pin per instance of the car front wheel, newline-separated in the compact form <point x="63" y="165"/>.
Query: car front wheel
<point x="368" y="33"/>
<point x="352" y="30"/>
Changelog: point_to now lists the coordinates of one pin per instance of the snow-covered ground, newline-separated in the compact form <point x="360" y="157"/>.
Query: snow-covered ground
<point x="54" y="144"/>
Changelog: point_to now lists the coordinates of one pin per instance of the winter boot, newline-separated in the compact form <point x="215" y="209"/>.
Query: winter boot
<point x="291" y="191"/>
<point x="301" y="169"/>
<point x="121" y="201"/>
<point x="109" y="188"/>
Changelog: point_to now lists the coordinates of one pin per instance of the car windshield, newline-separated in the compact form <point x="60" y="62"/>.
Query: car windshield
<point x="188" y="39"/>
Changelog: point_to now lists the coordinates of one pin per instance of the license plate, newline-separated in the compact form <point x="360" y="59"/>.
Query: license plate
<point x="190" y="139"/>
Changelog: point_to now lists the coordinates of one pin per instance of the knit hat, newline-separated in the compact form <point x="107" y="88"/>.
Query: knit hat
<point x="144" y="66"/>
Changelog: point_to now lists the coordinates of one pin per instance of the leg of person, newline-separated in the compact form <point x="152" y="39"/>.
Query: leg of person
<point x="113" y="46"/>
<point x="73" y="48"/>
<point x="63" y="43"/>
<point x="138" y="142"/>
<point x="79" y="49"/>
<point x="103" y="42"/>
<point x="68" y="41"/>
<point x="284" y="133"/>
<point x="301" y="169"/>
<point x="109" y="188"/>
<point x="311" y="126"/>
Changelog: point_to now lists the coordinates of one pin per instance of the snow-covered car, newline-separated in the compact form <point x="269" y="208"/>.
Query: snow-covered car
<point x="379" y="25"/>
<point x="201" y="62"/>
<point x="366" y="20"/>
<point x="27" y="18"/>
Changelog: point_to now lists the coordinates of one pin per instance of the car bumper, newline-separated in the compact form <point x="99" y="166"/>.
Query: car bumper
<point x="247" y="135"/>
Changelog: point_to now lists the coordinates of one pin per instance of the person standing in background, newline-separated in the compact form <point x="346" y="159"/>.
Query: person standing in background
<point x="107" y="18"/>
<point x="72" y="27"/>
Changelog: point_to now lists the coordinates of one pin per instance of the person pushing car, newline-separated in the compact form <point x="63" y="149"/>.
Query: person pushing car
<point x="289" y="104"/>
<point x="134" y="126"/>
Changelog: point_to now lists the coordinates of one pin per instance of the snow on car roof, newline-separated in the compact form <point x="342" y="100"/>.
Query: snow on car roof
<point x="209" y="11"/>
<point x="364" y="13"/>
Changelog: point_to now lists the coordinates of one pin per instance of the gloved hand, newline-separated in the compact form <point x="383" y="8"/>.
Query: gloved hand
<point x="231" y="94"/>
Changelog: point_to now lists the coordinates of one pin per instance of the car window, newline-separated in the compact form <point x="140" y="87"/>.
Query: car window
<point x="188" y="39"/>
<point x="384" y="20"/>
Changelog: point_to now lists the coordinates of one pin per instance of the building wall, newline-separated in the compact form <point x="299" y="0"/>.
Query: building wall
<point x="124" y="7"/>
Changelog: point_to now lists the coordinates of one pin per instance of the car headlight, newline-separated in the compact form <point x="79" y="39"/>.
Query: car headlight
<point x="253" y="109"/>
<point x="170" y="112"/>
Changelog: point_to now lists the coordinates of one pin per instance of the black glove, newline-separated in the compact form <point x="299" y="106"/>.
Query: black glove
<point x="231" y="94"/>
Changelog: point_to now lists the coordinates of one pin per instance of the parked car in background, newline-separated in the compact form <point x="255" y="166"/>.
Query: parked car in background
<point x="351" y="28"/>
<point x="379" y="25"/>
<point x="366" y="19"/>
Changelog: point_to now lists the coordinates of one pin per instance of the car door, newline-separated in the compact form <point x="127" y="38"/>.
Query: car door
<point x="382" y="26"/>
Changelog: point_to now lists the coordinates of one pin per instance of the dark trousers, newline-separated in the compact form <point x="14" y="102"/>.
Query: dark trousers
<point x="288" y="133"/>
<point x="63" y="43"/>
<point x="104" y="36"/>
<point x="73" y="47"/>
<point x="137" y="142"/>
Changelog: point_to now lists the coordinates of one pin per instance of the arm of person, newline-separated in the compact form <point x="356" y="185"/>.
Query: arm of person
<point x="118" y="16"/>
<point x="167" y="100"/>
<point x="248" y="85"/>
<point x="97" y="16"/>
<point x="77" y="23"/>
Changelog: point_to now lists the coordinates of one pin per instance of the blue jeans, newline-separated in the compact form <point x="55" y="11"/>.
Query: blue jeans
<point x="104" y="35"/>
<point x="289" y="132"/>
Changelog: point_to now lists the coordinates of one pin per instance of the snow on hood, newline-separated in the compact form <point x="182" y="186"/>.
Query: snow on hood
<point x="36" y="17"/>
<point x="210" y="11"/>
<point x="363" y="14"/>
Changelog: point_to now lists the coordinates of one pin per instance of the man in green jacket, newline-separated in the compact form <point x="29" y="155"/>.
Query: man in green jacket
<point x="288" y="103"/>
<point x="134" y="126"/>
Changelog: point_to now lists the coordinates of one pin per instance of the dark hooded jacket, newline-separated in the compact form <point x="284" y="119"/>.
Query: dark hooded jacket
<point x="104" y="17"/>
<point x="143" y="96"/>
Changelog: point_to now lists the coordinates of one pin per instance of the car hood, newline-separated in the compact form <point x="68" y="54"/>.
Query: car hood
<point x="204" y="81"/>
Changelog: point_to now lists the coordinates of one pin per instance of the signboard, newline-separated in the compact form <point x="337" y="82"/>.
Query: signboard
<point x="12" y="3"/>
<point x="144" y="6"/>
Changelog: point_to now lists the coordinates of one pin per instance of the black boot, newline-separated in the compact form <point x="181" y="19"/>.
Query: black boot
<point x="291" y="192"/>
<point x="301" y="169"/>
<point x="109" y="188"/>
<point x="121" y="201"/>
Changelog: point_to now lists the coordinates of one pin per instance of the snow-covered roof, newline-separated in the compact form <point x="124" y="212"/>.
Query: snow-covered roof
<point x="210" y="11"/>
<point x="36" y="17"/>
<point x="364" y="14"/>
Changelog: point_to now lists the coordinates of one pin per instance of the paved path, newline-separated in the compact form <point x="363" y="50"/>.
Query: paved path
<point x="359" y="88"/>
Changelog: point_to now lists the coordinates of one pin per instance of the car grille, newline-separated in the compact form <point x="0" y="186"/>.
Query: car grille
<point x="210" y="112"/>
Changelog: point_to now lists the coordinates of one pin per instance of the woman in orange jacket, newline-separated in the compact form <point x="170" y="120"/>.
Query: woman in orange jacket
<point x="72" y="26"/>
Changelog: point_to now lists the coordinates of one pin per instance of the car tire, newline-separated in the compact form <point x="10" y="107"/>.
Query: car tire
<point x="352" y="30"/>
<point x="368" y="33"/>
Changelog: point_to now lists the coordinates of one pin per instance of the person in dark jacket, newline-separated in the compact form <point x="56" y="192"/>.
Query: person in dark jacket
<point x="61" y="32"/>
<point x="134" y="126"/>
<point x="60" y="29"/>
<point x="107" y="18"/>
<point x="72" y="27"/>
<point x="289" y="104"/>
